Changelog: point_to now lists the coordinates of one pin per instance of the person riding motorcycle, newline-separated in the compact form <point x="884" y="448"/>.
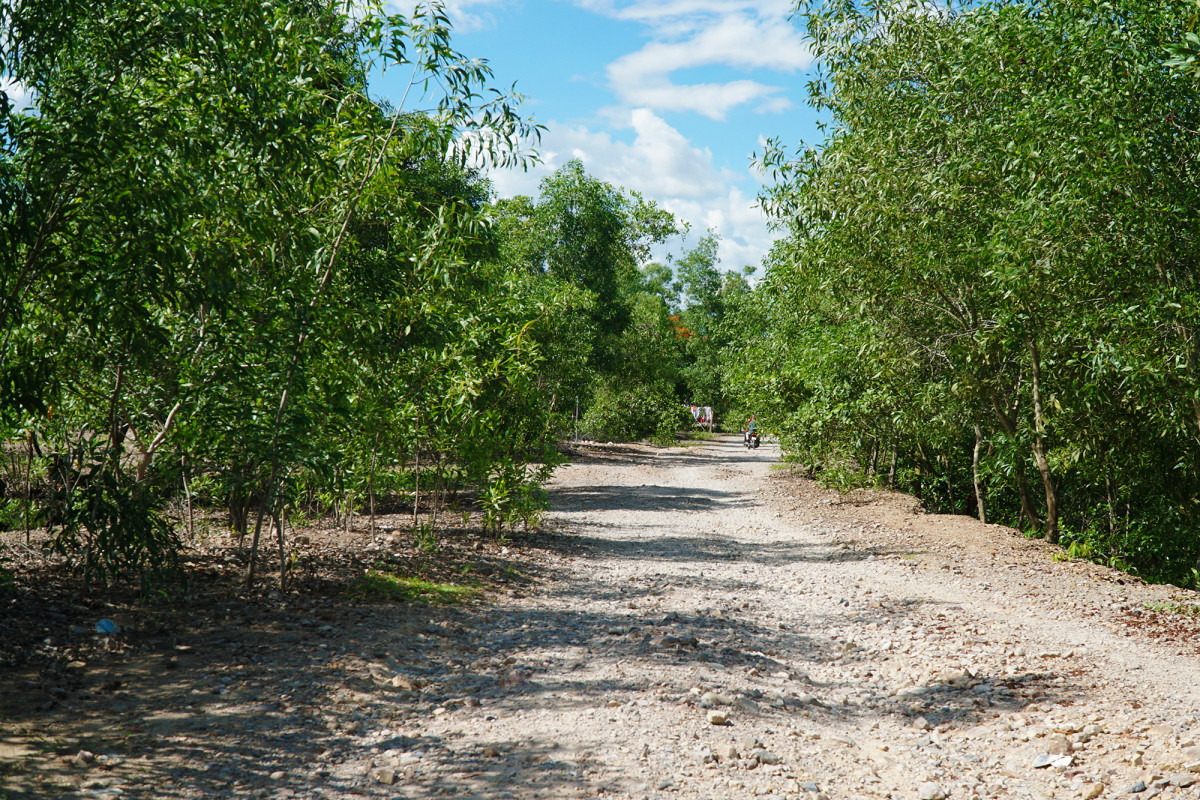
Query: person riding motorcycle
<point x="750" y="431"/>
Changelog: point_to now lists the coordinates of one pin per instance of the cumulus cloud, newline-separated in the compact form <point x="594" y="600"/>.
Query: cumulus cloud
<point x="661" y="163"/>
<point x="673" y="11"/>
<point x="472" y="15"/>
<point x="735" y="217"/>
<point x="465" y="15"/>
<point x="688" y="34"/>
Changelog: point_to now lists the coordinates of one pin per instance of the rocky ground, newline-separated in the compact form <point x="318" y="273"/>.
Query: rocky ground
<point x="691" y="623"/>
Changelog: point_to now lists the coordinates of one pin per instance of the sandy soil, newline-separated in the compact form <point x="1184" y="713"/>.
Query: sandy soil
<point x="690" y="623"/>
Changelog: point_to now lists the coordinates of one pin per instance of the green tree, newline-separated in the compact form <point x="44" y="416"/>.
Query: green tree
<point x="191" y="196"/>
<point x="1001" y="220"/>
<point x="586" y="242"/>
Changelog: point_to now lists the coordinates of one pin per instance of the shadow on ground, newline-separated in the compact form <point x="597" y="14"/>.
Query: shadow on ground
<point x="322" y="695"/>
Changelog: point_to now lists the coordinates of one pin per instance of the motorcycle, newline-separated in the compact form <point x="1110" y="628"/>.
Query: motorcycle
<point x="751" y="439"/>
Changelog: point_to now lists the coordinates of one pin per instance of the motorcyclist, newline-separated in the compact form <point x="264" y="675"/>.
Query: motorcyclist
<point x="748" y="430"/>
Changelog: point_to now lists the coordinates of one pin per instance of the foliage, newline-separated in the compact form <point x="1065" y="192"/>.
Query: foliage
<point x="613" y="351"/>
<point x="633" y="414"/>
<point x="226" y="263"/>
<point x="987" y="292"/>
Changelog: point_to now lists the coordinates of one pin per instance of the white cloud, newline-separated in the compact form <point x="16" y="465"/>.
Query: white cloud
<point x="659" y="161"/>
<point x="734" y="217"/>
<point x="465" y="15"/>
<point x="19" y="95"/>
<point x="472" y="15"/>
<point x="730" y="38"/>
<point x="670" y="11"/>
<point x="663" y="165"/>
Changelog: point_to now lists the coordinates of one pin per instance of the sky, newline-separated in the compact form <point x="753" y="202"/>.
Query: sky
<point x="666" y="97"/>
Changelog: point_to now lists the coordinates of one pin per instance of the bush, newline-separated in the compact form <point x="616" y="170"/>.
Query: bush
<point x="635" y="414"/>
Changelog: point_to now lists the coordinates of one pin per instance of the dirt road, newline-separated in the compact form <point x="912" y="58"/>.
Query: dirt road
<point x="726" y="634"/>
<point x="705" y="626"/>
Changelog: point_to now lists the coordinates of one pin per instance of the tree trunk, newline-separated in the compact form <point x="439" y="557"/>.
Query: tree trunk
<point x="1191" y="368"/>
<point x="1010" y="429"/>
<point x="949" y="485"/>
<point x="1039" y="447"/>
<point x="417" y="486"/>
<point x="28" y="486"/>
<point x="187" y="493"/>
<point x="371" y="483"/>
<point x="239" y="513"/>
<point x="975" y="475"/>
<point x="283" y="565"/>
<point x="262" y="512"/>
<point x="1112" y="512"/>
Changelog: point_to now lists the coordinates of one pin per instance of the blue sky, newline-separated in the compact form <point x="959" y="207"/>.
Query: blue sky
<point x="666" y="97"/>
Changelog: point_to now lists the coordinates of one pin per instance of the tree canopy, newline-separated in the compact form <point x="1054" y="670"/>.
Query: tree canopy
<point x="988" y="281"/>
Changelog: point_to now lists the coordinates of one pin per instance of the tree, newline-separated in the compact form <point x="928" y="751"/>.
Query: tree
<point x="1001" y="219"/>
<point x="189" y="201"/>
<point x="586" y="241"/>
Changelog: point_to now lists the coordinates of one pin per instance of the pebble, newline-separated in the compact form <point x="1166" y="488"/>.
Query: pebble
<point x="1057" y="745"/>
<point x="713" y="699"/>
<point x="931" y="791"/>
<point x="763" y="756"/>
<point x="384" y="775"/>
<point x="978" y="713"/>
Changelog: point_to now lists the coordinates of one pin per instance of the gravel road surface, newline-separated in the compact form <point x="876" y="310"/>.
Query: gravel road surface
<point x="692" y="623"/>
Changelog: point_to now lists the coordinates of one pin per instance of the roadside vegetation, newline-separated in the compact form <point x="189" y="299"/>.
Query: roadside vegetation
<point x="987" y="290"/>
<point x="235" y="283"/>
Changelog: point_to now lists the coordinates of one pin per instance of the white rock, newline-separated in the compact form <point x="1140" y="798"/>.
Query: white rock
<point x="931" y="791"/>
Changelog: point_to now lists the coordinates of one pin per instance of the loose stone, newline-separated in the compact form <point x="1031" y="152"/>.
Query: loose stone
<point x="384" y="775"/>
<point x="931" y="791"/>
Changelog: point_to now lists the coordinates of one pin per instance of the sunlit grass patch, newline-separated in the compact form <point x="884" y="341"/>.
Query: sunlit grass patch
<point x="377" y="585"/>
<point x="1175" y="608"/>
